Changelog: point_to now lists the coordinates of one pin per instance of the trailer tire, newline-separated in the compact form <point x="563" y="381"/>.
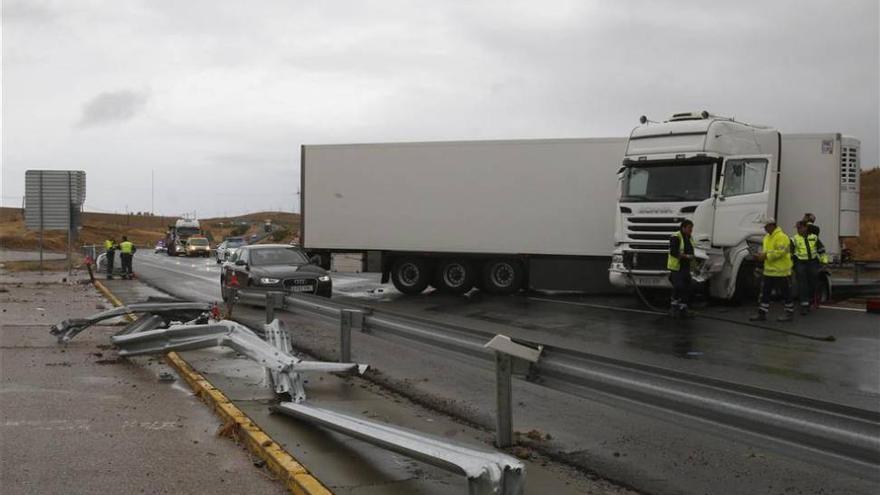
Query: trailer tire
<point x="410" y="275"/>
<point x="454" y="276"/>
<point x="502" y="276"/>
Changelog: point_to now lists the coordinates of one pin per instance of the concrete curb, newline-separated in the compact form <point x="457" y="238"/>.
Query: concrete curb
<point x="294" y="475"/>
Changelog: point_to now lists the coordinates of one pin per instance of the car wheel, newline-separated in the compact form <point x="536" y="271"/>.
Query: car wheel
<point x="502" y="276"/>
<point x="455" y="276"/>
<point x="410" y="275"/>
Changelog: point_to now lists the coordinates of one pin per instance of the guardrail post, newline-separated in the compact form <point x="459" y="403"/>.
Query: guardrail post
<point x="857" y="267"/>
<point x="348" y="319"/>
<point x="273" y="300"/>
<point x="503" y="401"/>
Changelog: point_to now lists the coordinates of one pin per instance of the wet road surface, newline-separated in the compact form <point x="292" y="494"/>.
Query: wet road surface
<point x="623" y="445"/>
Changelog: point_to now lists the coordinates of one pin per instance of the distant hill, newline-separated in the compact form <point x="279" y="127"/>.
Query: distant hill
<point x="867" y="245"/>
<point x="142" y="230"/>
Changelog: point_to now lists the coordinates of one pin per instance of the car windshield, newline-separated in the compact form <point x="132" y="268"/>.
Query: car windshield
<point x="667" y="182"/>
<point x="234" y="244"/>
<point x="279" y="256"/>
<point x="198" y="242"/>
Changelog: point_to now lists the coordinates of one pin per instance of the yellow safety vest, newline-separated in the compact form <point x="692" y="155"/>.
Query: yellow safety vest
<point x="777" y="247"/>
<point x="805" y="248"/>
<point x="673" y="264"/>
<point x="126" y="247"/>
<point x="108" y="245"/>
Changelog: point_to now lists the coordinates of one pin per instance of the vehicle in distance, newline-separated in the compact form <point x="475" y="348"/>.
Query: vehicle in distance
<point x="198" y="246"/>
<point x="226" y="248"/>
<point x="500" y="215"/>
<point x="160" y="246"/>
<point x="260" y="268"/>
<point x="179" y="233"/>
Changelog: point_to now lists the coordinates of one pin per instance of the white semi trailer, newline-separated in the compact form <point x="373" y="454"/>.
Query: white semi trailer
<point x="728" y="178"/>
<point x="501" y="215"/>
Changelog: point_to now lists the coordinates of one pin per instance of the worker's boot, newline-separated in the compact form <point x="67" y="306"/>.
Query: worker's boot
<point x="759" y="316"/>
<point x="684" y="312"/>
<point x="787" y="316"/>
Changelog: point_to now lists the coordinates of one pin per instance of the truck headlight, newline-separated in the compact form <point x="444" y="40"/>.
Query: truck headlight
<point x="324" y="278"/>
<point x="269" y="281"/>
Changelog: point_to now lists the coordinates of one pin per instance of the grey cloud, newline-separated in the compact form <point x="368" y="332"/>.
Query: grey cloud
<point x="111" y="107"/>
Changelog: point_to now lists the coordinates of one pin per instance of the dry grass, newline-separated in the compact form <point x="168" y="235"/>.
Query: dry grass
<point x="144" y="231"/>
<point x="48" y="265"/>
<point x="867" y="245"/>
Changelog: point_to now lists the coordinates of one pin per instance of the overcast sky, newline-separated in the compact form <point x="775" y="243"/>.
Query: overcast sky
<point x="217" y="96"/>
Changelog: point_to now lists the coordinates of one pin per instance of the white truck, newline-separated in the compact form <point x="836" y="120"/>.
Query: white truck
<point x="179" y="233"/>
<point x="727" y="177"/>
<point x="501" y="215"/>
<point x="565" y="215"/>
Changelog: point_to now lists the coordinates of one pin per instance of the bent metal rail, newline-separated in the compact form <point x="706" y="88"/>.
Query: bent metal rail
<point x="842" y="437"/>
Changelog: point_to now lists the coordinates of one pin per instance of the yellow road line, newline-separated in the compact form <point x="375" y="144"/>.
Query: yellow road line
<point x="294" y="475"/>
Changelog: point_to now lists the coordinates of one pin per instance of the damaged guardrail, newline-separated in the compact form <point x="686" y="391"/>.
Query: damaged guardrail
<point x="161" y="313"/>
<point x="160" y="330"/>
<point x="488" y="472"/>
<point x="285" y="369"/>
<point x="818" y="431"/>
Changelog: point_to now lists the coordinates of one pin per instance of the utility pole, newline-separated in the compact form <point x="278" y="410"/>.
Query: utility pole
<point x="153" y="192"/>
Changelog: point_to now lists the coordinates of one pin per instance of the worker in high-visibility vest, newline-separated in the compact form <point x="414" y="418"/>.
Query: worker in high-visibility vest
<point x="678" y="262"/>
<point x="776" y="256"/>
<point x="808" y="255"/>
<point x="110" y="255"/>
<point x="126" y="253"/>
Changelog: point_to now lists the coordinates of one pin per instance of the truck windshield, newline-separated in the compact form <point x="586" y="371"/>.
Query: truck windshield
<point x="667" y="182"/>
<point x="187" y="231"/>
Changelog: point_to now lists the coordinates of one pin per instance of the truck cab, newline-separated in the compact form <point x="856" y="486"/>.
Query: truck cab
<point x="719" y="173"/>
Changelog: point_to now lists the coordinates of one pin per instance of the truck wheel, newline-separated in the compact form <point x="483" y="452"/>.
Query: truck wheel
<point x="454" y="276"/>
<point x="410" y="275"/>
<point x="502" y="276"/>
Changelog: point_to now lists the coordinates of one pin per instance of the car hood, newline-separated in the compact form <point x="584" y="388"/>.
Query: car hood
<point x="288" y="271"/>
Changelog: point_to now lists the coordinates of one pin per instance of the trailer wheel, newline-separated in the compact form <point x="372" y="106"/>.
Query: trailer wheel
<point x="454" y="276"/>
<point x="410" y="275"/>
<point x="502" y="276"/>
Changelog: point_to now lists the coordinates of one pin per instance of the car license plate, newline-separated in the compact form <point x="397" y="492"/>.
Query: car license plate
<point x="303" y="288"/>
<point x="650" y="281"/>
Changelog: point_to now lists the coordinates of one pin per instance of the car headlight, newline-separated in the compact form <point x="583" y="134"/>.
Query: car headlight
<point x="269" y="281"/>
<point x="324" y="278"/>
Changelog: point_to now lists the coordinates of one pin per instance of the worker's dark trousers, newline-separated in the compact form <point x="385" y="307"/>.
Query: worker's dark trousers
<point x="782" y="286"/>
<point x="807" y="279"/>
<point x="126" y="263"/>
<point x="681" y="288"/>
<point x="111" y="255"/>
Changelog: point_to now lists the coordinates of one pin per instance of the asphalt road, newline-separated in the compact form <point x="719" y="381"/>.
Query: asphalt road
<point x="648" y="454"/>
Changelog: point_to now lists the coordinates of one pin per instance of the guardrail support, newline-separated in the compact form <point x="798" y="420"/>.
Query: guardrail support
<point x="348" y="319"/>
<point x="273" y="300"/>
<point x="503" y="401"/>
<point x="506" y="353"/>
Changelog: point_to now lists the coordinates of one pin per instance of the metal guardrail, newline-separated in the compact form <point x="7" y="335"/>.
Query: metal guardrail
<point x="844" y="437"/>
<point x="166" y="311"/>
<point x="488" y="472"/>
<point x="274" y="353"/>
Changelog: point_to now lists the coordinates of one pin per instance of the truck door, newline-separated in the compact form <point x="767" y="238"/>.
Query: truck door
<point x="744" y="199"/>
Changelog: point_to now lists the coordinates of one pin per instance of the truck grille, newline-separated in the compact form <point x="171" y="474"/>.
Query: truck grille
<point x="653" y="232"/>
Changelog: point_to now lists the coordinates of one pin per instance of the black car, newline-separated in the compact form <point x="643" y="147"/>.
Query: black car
<point x="273" y="267"/>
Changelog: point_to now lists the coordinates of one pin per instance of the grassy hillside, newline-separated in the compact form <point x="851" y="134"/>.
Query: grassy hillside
<point x="142" y="230"/>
